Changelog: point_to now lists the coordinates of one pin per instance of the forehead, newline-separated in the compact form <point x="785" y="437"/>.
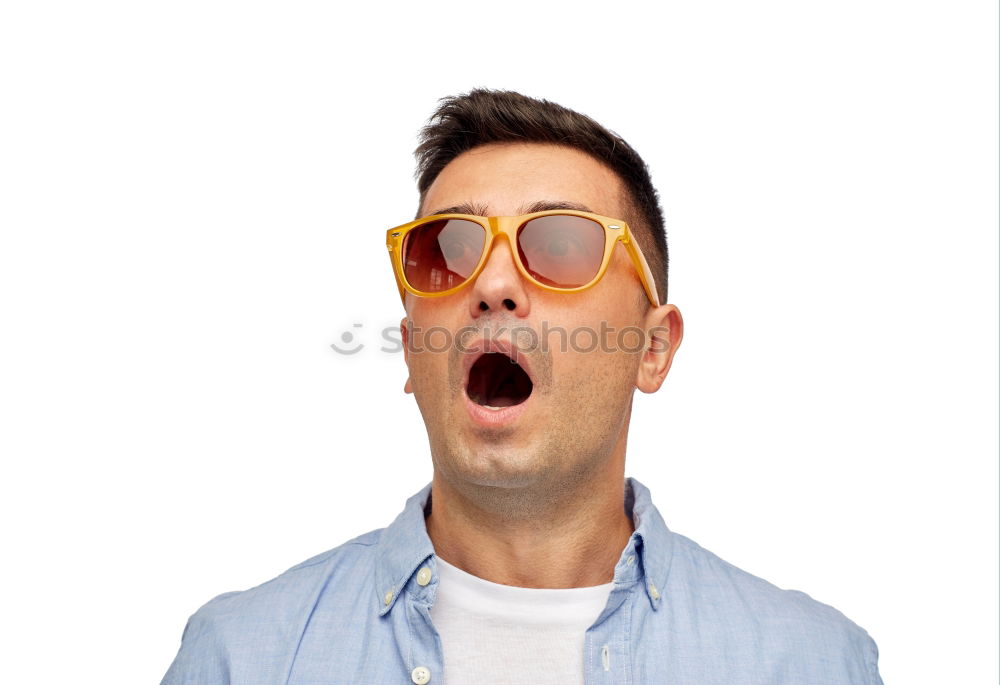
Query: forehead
<point x="505" y="179"/>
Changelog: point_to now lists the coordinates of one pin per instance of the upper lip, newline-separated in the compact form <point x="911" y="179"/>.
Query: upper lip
<point x="480" y="346"/>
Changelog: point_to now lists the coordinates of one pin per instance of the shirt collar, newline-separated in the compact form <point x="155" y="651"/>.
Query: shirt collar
<point x="404" y="546"/>
<point x="652" y="542"/>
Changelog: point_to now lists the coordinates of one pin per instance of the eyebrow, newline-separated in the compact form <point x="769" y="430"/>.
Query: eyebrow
<point x="464" y="208"/>
<point x="540" y="206"/>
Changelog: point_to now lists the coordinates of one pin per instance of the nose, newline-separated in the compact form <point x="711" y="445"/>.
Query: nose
<point x="499" y="286"/>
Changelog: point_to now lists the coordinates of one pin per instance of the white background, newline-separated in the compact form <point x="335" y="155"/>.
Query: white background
<point x="193" y="198"/>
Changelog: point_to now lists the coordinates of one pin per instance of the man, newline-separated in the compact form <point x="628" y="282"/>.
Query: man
<point x="529" y="558"/>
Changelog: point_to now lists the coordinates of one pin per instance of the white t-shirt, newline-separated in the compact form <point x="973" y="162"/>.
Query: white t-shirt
<point x="501" y="634"/>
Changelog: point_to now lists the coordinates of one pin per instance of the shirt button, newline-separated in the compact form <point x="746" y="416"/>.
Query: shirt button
<point x="423" y="576"/>
<point x="420" y="675"/>
<point x="653" y="591"/>
<point x="631" y="558"/>
<point x="388" y="598"/>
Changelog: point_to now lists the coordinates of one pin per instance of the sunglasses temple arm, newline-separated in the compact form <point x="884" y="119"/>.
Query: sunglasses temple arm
<point x="639" y="260"/>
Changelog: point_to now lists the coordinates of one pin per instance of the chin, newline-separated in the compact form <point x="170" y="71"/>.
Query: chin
<point x="498" y="468"/>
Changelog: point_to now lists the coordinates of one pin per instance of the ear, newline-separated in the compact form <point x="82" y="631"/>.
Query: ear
<point x="404" y="332"/>
<point x="664" y="331"/>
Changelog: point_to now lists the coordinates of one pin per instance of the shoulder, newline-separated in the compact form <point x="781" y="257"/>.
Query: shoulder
<point x="265" y="622"/>
<point x="297" y="588"/>
<point x="788" y="625"/>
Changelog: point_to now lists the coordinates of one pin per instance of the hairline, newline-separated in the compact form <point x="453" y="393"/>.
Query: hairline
<point x="626" y="198"/>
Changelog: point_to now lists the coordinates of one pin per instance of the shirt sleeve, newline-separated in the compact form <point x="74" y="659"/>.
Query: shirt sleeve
<point x="202" y="659"/>
<point x="872" y="662"/>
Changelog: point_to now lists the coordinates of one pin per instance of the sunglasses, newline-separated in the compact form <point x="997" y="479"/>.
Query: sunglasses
<point x="560" y="250"/>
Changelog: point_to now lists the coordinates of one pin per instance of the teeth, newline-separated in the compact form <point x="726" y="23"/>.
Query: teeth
<point x="488" y="406"/>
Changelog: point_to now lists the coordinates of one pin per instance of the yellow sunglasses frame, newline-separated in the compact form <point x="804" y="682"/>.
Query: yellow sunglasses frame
<point x="615" y="231"/>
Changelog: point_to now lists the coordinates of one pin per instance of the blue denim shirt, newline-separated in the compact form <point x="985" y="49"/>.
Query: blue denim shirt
<point x="678" y="614"/>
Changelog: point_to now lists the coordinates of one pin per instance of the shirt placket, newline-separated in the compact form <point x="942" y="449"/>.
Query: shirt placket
<point x="420" y="644"/>
<point x="607" y="657"/>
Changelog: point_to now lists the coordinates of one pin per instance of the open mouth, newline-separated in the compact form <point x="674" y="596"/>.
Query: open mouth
<point x="497" y="381"/>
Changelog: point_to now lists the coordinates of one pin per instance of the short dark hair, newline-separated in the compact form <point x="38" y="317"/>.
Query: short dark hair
<point x="483" y="116"/>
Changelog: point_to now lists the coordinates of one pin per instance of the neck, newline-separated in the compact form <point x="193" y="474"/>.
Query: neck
<point x="570" y="537"/>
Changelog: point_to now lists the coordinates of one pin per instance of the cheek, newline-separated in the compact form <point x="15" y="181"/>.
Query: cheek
<point x="433" y="360"/>
<point x="592" y="372"/>
<point x="431" y="339"/>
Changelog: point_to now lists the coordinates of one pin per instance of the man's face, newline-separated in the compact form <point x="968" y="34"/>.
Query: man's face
<point x="575" y="418"/>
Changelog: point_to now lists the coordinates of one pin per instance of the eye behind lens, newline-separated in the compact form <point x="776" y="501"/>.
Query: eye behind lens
<point x="562" y="251"/>
<point x="442" y="254"/>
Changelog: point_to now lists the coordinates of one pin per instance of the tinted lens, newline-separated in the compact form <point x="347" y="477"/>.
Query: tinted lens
<point x="562" y="251"/>
<point x="441" y="255"/>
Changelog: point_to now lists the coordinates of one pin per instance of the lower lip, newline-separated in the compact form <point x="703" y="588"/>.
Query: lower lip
<point x="494" y="418"/>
